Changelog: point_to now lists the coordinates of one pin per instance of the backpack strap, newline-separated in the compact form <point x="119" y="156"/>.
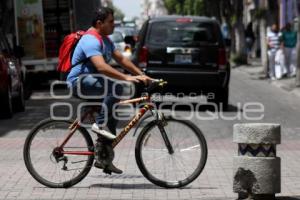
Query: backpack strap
<point x="98" y="36"/>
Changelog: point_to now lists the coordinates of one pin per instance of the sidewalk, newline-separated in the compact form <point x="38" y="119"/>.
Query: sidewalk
<point x="255" y="70"/>
<point x="215" y="183"/>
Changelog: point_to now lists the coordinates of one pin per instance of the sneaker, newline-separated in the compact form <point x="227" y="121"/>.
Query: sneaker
<point x="104" y="133"/>
<point x="109" y="168"/>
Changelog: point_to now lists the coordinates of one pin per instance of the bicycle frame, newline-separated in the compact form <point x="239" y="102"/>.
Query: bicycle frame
<point x="76" y="124"/>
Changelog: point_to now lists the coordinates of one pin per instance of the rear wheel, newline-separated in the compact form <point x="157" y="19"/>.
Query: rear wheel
<point x="175" y="168"/>
<point x="45" y="162"/>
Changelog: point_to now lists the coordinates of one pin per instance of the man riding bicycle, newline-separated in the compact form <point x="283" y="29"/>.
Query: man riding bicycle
<point x="92" y="57"/>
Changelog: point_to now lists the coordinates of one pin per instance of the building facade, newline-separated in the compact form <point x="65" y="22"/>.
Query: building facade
<point x="288" y="11"/>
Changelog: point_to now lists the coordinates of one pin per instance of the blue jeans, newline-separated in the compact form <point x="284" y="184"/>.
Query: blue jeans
<point x="95" y="86"/>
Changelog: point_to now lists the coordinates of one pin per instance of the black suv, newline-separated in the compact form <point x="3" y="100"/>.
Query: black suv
<point x="188" y="52"/>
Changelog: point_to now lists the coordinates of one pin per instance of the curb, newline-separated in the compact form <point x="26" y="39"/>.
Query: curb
<point x="294" y="91"/>
<point x="278" y="84"/>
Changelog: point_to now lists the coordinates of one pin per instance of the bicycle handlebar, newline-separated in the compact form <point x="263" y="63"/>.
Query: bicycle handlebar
<point x="156" y="83"/>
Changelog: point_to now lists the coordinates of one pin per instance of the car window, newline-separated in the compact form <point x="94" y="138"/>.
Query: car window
<point x="178" y="33"/>
<point x="116" y="37"/>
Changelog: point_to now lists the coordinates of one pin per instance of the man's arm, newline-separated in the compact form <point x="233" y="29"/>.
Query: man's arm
<point x="269" y="43"/>
<point x="100" y="64"/>
<point x="126" y="63"/>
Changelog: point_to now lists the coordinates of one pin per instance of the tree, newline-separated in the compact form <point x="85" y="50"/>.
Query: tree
<point x="198" y="8"/>
<point x="239" y="32"/>
<point x="231" y="12"/>
<point x="261" y="16"/>
<point x="118" y="14"/>
<point x="185" y="7"/>
<point x="171" y="6"/>
<point x="188" y="7"/>
<point x="212" y="8"/>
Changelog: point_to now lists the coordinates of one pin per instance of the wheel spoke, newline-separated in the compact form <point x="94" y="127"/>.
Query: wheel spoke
<point x="39" y="148"/>
<point x="176" y="169"/>
<point x="190" y="148"/>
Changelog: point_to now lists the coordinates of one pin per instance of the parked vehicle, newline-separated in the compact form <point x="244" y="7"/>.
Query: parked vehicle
<point x="41" y="26"/>
<point x="188" y="52"/>
<point x="129" y="23"/>
<point x="124" y="39"/>
<point x="119" y="42"/>
<point x="11" y="79"/>
<point x="127" y="31"/>
<point x="129" y="34"/>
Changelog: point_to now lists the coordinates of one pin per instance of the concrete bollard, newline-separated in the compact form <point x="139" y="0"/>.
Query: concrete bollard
<point x="256" y="169"/>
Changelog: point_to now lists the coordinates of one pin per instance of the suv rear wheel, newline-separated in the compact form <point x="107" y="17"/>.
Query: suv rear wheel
<point x="221" y="96"/>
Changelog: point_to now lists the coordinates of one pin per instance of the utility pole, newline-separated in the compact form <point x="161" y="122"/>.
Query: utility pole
<point x="181" y="2"/>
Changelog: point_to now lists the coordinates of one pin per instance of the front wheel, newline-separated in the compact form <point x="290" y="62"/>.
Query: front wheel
<point x="46" y="164"/>
<point x="175" y="166"/>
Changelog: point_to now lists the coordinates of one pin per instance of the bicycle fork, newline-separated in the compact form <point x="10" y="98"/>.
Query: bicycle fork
<point x="161" y="123"/>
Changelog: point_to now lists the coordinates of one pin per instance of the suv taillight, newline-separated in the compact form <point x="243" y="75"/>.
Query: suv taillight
<point x="222" y="60"/>
<point x="143" y="57"/>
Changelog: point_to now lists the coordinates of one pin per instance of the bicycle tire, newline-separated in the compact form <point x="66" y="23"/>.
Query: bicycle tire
<point x="163" y="183"/>
<point x="30" y="167"/>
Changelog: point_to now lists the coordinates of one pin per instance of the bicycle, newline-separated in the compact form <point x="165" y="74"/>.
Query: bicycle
<point x="169" y="152"/>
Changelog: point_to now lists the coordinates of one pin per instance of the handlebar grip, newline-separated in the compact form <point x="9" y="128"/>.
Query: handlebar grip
<point x="153" y="85"/>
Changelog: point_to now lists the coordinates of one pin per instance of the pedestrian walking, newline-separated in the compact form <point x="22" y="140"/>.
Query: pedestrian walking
<point x="273" y="41"/>
<point x="250" y="38"/>
<point x="289" y="41"/>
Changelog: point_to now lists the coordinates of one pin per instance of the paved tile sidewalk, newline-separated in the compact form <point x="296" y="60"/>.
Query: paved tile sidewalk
<point x="214" y="183"/>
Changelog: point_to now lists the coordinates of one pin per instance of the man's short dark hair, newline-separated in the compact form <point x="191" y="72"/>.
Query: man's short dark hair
<point x="101" y="14"/>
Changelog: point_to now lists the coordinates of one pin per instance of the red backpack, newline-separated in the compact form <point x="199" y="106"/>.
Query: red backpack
<point x="67" y="48"/>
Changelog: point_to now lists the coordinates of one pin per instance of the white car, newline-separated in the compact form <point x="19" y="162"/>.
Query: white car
<point x="118" y="40"/>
